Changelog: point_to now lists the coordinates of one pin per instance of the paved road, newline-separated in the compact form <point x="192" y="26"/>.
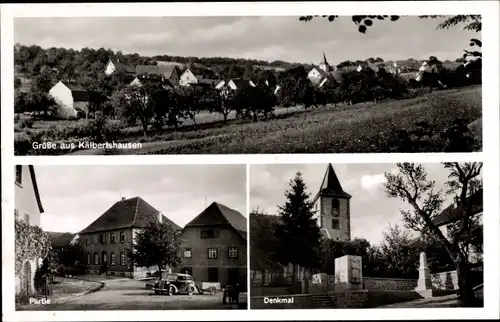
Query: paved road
<point x="437" y="302"/>
<point x="132" y="295"/>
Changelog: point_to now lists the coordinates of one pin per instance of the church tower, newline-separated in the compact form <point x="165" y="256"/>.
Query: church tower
<point x="324" y="64"/>
<point x="332" y="207"/>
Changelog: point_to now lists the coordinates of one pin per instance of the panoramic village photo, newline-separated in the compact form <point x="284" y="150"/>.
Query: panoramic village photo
<point x="169" y="237"/>
<point x="366" y="236"/>
<point x="233" y="85"/>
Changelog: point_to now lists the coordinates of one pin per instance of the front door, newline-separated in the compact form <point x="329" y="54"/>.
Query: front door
<point x="104" y="262"/>
<point x="213" y="274"/>
<point x="234" y="276"/>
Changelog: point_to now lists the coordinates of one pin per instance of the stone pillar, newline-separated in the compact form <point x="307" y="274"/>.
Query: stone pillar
<point x="424" y="285"/>
<point x="348" y="272"/>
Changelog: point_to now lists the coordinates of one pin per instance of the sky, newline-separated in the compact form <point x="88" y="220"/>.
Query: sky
<point x="371" y="210"/>
<point x="74" y="196"/>
<point x="262" y="37"/>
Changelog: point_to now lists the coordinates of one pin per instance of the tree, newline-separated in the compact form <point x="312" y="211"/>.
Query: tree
<point x="412" y="186"/>
<point x="136" y="106"/>
<point x="263" y="243"/>
<point x="158" y="244"/>
<point x="298" y="235"/>
<point x="190" y="101"/>
<point x="399" y="253"/>
<point x="253" y="102"/>
<point x="222" y="103"/>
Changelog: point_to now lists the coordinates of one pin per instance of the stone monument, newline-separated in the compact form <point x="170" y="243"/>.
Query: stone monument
<point x="424" y="284"/>
<point x="348" y="272"/>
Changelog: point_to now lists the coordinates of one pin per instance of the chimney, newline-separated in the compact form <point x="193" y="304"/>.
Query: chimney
<point x="123" y="198"/>
<point x="160" y="217"/>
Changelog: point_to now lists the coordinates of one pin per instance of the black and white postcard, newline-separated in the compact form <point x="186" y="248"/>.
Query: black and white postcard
<point x="366" y="235"/>
<point x="233" y="85"/>
<point x="130" y="237"/>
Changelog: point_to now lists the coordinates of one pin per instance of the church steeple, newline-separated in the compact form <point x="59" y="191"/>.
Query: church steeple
<point x="324" y="64"/>
<point x="332" y="204"/>
<point x="331" y="184"/>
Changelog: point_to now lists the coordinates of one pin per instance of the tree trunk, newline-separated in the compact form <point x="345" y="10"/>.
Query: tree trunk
<point x="466" y="296"/>
<point x="225" y="117"/>
<point x="159" y="271"/>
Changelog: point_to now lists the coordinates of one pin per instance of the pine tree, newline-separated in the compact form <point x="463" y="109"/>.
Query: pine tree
<point x="298" y="235"/>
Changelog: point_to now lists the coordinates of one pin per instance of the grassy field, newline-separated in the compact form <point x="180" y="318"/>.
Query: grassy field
<point x="360" y="128"/>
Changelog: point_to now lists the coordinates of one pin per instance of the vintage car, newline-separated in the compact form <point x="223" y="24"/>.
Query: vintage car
<point x="175" y="283"/>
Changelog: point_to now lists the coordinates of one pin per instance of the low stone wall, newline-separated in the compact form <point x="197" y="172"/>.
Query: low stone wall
<point x="300" y="301"/>
<point x="370" y="299"/>
<point x="445" y="280"/>
<point x="389" y="284"/>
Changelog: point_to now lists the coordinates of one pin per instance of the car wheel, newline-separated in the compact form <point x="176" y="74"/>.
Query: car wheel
<point x="211" y="290"/>
<point x="171" y="290"/>
<point x="190" y="290"/>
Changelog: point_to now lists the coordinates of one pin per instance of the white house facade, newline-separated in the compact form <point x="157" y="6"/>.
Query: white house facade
<point x="187" y="78"/>
<point x="71" y="100"/>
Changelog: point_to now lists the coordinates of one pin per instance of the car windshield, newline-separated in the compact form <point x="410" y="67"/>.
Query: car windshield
<point x="171" y="278"/>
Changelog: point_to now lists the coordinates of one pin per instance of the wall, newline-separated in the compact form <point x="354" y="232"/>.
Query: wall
<point x="344" y="231"/>
<point x="389" y="284"/>
<point x="91" y="244"/>
<point x="110" y="68"/>
<point x="63" y="97"/>
<point x="20" y="278"/>
<point x="187" y="78"/>
<point x="199" y="261"/>
<point x="83" y="106"/>
<point x="445" y="280"/>
<point x="24" y="198"/>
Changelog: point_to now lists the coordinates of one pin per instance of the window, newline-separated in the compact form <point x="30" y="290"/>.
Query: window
<point x="187" y="253"/>
<point x="113" y="259"/>
<point x="16" y="214"/>
<point x="213" y="274"/>
<point x="19" y="174"/>
<point x="233" y="252"/>
<point x="87" y="241"/>
<point x="96" y="259"/>
<point x="335" y="207"/>
<point x="89" y="259"/>
<point x="112" y="237"/>
<point x="335" y="224"/>
<point x="123" y="259"/>
<point x="122" y="237"/>
<point x="209" y="233"/>
<point x="27" y="219"/>
<point x="102" y="238"/>
<point x="212" y="253"/>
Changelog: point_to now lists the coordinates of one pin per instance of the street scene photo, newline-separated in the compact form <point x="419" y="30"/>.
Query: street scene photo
<point x="121" y="237"/>
<point x="247" y="84"/>
<point x="366" y="235"/>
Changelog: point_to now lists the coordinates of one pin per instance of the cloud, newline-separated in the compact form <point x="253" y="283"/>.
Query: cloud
<point x="372" y="181"/>
<point x="266" y="37"/>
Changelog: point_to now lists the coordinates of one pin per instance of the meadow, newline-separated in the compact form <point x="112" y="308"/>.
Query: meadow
<point x="440" y="121"/>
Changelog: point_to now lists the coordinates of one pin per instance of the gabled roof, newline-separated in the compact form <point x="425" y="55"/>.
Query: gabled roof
<point x="452" y="213"/>
<point x="165" y="70"/>
<point x="217" y="214"/>
<point x="331" y="186"/>
<point x="60" y="239"/>
<point x="128" y="213"/>
<point x="35" y="189"/>
<point x="241" y="83"/>
<point x="121" y="66"/>
<point x="79" y="93"/>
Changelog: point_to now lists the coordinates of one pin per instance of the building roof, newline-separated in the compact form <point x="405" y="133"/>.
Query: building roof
<point x="241" y="83"/>
<point x="127" y="213"/>
<point x="219" y="214"/>
<point x="331" y="186"/>
<point x="60" y="239"/>
<point x="35" y="189"/>
<point x="123" y="67"/>
<point x="165" y="70"/>
<point x="79" y="93"/>
<point x="453" y="213"/>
